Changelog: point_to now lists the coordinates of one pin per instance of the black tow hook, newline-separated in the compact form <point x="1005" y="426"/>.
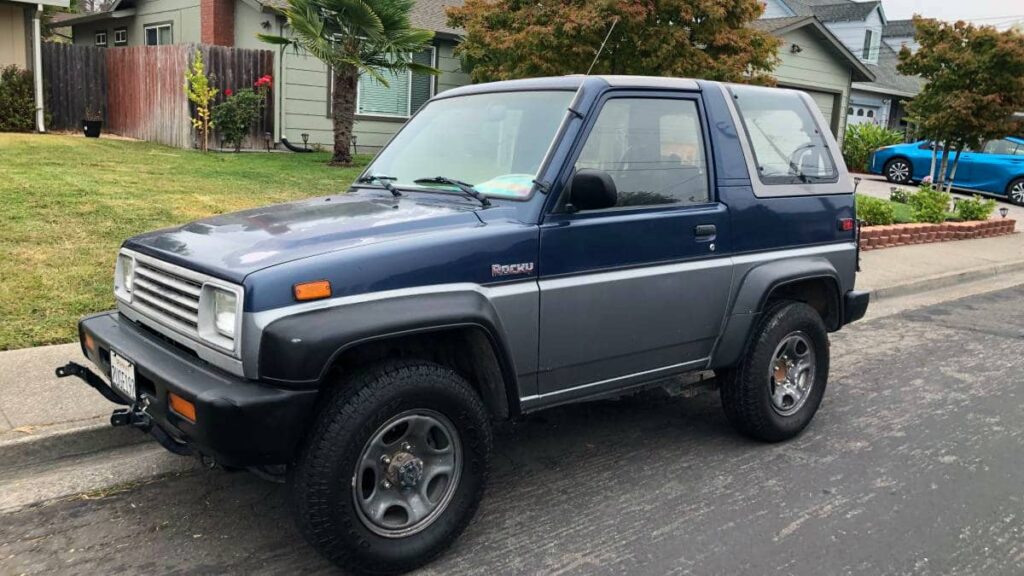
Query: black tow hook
<point x="90" y="378"/>
<point x="136" y="416"/>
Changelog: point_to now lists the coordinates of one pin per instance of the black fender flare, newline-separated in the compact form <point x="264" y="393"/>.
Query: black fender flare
<point x="300" y="349"/>
<point x="754" y="291"/>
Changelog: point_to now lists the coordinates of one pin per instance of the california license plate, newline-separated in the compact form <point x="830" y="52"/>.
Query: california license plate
<point x="122" y="375"/>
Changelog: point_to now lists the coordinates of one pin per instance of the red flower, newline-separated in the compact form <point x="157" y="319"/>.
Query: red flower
<point x="228" y="92"/>
<point x="264" y="80"/>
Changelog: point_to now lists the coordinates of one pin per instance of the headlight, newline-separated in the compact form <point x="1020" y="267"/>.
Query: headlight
<point x="124" y="277"/>
<point x="219" y="316"/>
<point x="224" y="312"/>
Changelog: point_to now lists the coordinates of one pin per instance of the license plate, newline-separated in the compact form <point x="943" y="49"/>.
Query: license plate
<point x="122" y="375"/>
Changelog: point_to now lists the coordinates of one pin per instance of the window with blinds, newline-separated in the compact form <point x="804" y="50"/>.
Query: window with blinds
<point x="405" y="93"/>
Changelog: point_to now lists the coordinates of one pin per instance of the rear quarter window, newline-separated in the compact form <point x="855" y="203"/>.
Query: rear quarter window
<point x="786" y="140"/>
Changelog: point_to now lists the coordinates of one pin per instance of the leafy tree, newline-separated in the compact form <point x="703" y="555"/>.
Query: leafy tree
<point x="710" y="39"/>
<point x="975" y="83"/>
<point x="353" y="37"/>
<point x="200" y="93"/>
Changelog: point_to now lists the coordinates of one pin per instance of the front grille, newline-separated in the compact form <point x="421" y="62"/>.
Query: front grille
<point x="168" y="298"/>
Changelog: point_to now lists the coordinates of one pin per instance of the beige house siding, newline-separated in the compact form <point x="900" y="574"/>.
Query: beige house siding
<point x="14" y="36"/>
<point x="306" y="110"/>
<point x="182" y="15"/>
<point x="816" y="70"/>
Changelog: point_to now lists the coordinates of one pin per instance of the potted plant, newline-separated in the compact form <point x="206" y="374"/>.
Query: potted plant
<point x="92" y="125"/>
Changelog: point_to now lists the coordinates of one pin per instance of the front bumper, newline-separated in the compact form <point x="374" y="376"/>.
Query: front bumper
<point x="855" y="305"/>
<point x="238" y="422"/>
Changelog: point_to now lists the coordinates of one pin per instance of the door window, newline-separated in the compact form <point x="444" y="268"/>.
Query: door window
<point x="1001" y="147"/>
<point x="652" y="148"/>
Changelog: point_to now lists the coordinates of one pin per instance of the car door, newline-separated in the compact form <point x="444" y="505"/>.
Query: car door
<point x="988" y="169"/>
<point x="637" y="290"/>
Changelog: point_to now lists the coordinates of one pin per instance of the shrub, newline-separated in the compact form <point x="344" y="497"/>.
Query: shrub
<point x="874" y="211"/>
<point x="899" y="195"/>
<point x="929" y="204"/>
<point x="234" y="116"/>
<point x="17" y="102"/>
<point x="863" y="139"/>
<point x="976" y="208"/>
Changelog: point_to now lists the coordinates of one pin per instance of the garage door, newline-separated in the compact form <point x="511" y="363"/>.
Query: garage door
<point x="826" y="101"/>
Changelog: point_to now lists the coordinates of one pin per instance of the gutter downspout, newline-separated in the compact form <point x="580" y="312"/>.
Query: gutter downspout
<point x="37" y="66"/>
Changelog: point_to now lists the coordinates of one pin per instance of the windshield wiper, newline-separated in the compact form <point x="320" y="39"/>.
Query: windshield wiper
<point x="463" y="186"/>
<point x="385" y="181"/>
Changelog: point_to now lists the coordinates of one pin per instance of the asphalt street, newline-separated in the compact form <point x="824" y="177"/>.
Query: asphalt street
<point x="913" y="465"/>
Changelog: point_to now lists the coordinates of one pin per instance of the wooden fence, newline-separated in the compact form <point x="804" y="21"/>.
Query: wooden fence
<point x="75" y="80"/>
<point x="145" y="94"/>
<point x="141" y="88"/>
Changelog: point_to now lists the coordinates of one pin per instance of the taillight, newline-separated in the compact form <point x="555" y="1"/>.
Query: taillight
<point x="845" y="224"/>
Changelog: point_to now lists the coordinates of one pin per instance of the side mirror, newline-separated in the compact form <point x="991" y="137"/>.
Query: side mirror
<point x="592" y="190"/>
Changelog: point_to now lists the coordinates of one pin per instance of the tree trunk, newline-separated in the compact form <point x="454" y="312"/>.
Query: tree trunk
<point x="943" y="167"/>
<point x="935" y="153"/>
<point x="343" y="105"/>
<point x="956" y="162"/>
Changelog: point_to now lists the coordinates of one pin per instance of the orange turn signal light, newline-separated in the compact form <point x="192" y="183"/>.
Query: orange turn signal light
<point x="182" y="407"/>
<point x="90" y="344"/>
<point x="312" y="290"/>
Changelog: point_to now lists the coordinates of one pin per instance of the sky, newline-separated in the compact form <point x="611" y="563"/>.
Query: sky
<point x="999" y="13"/>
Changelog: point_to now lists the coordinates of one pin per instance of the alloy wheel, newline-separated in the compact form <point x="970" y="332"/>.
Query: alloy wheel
<point x="899" y="172"/>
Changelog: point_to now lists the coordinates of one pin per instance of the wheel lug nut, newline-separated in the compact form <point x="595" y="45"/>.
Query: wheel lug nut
<point x="385" y="460"/>
<point x="386" y="484"/>
<point x="406" y="446"/>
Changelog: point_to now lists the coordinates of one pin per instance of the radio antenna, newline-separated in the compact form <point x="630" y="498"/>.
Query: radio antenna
<point x="601" y="49"/>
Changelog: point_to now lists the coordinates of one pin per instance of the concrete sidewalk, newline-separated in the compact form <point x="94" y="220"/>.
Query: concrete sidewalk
<point x="36" y="404"/>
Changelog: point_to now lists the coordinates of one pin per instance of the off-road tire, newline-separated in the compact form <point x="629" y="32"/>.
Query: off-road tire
<point x="745" y="389"/>
<point x="321" y="480"/>
<point x="890" y="174"/>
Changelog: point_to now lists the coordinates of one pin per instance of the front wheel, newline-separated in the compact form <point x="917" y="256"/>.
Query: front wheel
<point x="1015" y="191"/>
<point x="898" y="171"/>
<point x="394" y="469"/>
<point x="774" y="392"/>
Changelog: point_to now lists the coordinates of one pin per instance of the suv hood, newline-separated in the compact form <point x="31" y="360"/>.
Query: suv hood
<point x="232" y="246"/>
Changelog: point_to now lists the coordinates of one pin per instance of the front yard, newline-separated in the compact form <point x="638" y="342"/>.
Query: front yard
<point x="67" y="202"/>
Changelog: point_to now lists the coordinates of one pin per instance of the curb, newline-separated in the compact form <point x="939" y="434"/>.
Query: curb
<point x="935" y="282"/>
<point x="83" y="438"/>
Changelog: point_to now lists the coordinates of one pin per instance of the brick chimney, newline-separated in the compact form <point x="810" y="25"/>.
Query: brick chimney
<point x="217" y="20"/>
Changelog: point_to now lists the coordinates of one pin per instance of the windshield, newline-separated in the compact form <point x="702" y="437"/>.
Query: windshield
<point x="494" y="142"/>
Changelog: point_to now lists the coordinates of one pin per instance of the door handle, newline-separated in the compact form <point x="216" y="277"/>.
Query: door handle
<point x="704" y="232"/>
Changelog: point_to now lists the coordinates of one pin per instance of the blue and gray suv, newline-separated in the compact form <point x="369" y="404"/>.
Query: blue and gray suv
<point x="518" y="245"/>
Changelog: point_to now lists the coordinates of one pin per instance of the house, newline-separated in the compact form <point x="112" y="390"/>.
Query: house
<point x="812" y="59"/>
<point x="303" y="94"/>
<point x="863" y="28"/>
<point x="20" y="41"/>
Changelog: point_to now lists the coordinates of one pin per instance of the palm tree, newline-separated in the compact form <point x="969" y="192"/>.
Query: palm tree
<point x="353" y="37"/>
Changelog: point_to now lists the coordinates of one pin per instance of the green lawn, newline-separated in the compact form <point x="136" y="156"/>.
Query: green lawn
<point x="67" y="202"/>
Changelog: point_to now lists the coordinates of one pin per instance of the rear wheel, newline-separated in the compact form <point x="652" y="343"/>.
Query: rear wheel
<point x="774" y="392"/>
<point x="1015" y="191"/>
<point x="898" y="171"/>
<point x="394" y="469"/>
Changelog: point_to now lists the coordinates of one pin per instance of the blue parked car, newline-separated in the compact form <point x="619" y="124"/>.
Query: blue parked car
<point x="998" y="168"/>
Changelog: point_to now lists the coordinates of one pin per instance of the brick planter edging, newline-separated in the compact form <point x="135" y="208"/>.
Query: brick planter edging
<point x="875" y="237"/>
